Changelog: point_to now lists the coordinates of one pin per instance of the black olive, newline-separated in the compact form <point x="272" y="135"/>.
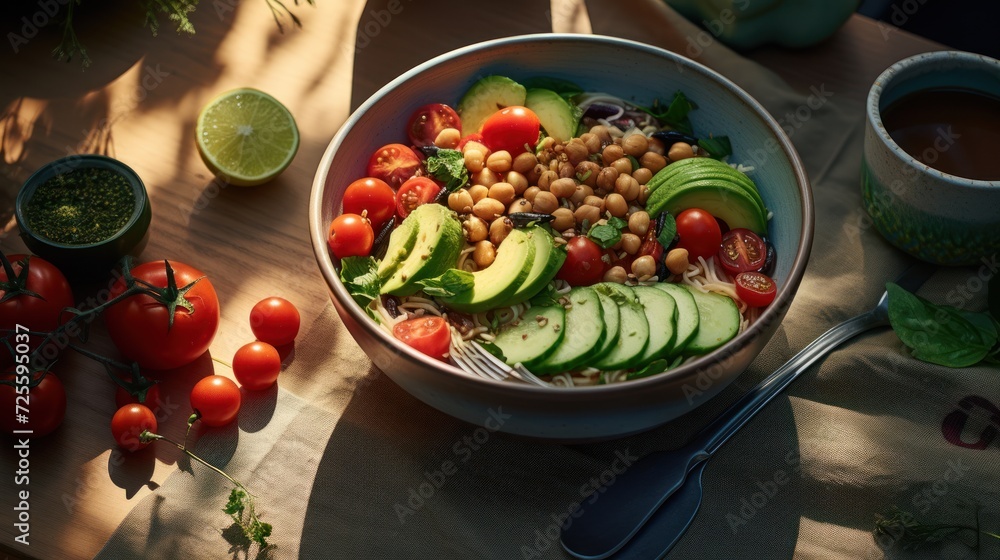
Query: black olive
<point x="661" y="270"/>
<point x="429" y="151"/>
<point x="381" y="242"/>
<point x="524" y="219"/>
<point x="669" y="137"/>
<point x="442" y="197"/>
<point x="661" y="220"/>
<point x="391" y="304"/>
<point x="770" y="259"/>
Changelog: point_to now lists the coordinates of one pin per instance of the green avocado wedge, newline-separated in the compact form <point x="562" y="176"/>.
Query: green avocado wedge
<point x="401" y="242"/>
<point x="438" y="243"/>
<point x="724" y="200"/>
<point x="548" y="260"/>
<point x="493" y="286"/>
<point x="485" y="97"/>
<point x="554" y="113"/>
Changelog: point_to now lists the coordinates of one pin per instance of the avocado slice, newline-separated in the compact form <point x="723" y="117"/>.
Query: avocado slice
<point x="722" y="199"/>
<point x="555" y="114"/>
<point x="493" y="286"/>
<point x="437" y="246"/>
<point x="694" y="169"/>
<point x="401" y="242"/>
<point x="548" y="261"/>
<point x="533" y="337"/>
<point x="485" y="97"/>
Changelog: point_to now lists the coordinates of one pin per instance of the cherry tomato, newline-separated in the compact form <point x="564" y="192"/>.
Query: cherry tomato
<point x="429" y="334"/>
<point x="583" y="265"/>
<point x="371" y="195"/>
<point x="413" y="193"/>
<point x="44" y="405"/>
<point x="275" y="321"/>
<point x="36" y="313"/>
<point x="742" y="250"/>
<point x="394" y="164"/>
<point x="428" y="121"/>
<point x="755" y="288"/>
<point x="511" y="129"/>
<point x="128" y="424"/>
<point x="699" y="233"/>
<point x="140" y="325"/>
<point x="350" y="236"/>
<point x="217" y="399"/>
<point x="257" y="365"/>
<point x="152" y="400"/>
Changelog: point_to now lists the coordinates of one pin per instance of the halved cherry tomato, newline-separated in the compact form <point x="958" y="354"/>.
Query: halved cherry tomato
<point x="429" y="334"/>
<point x="394" y="164"/>
<point x="755" y="288"/>
<point x="583" y="265"/>
<point x="742" y="250"/>
<point x="372" y="195"/>
<point x="699" y="233"/>
<point x="514" y="129"/>
<point x="413" y="193"/>
<point x="428" y="121"/>
<point x="350" y="236"/>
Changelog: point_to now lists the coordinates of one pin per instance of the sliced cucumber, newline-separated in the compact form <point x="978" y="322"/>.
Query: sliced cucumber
<point x="687" y="314"/>
<point x="718" y="321"/>
<point x="485" y="97"/>
<point x="534" y="336"/>
<point x="585" y="332"/>
<point x="612" y="322"/>
<point x="661" y="314"/>
<point x="634" y="336"/>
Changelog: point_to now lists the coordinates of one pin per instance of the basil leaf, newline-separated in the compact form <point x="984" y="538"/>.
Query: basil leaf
<point x="607" y="235"/>
<point x="937" y="334"/>
<point x="492" y="349"/>
<point x="617" y="222"/>
<point x="449" y="284"/>
<point x="677" y="114"/>
<point x="717" y="147"/>
<point x="669" y="231"/>
<point x="360" y="277"/>
<point x="993" y="296"/>
<point x="546" y="298"/>
<point x="448" y="166"/>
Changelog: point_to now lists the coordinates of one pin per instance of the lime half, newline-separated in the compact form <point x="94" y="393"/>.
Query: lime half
<point x="246" y="136"/>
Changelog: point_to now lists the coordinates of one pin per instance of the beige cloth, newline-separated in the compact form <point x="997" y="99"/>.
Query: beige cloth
<point x="347" y="465"/>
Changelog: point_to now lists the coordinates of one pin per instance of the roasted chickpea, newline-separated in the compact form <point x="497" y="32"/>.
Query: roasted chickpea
<point x="474" y="161"/>
<point x="602" y="133"/>
<point x="643" y="194"/>
<point x="499" y="230"/>
<point x="524" y="162"/>
<point x="546" y="179"/>
<point x="623" y="166"/>
<point x="461" y="201"/>
<point x="656" y="146"/>
<point x="616" y="204"/>
<point x="545" y="202"/>
<point x="576" y="151"/>
<point x="611" y="153"/>
<point x="489" y="209"/>
<point x="478" y="192"/>
<point x="591" y="141"/>
<point x="587" y="212"/>
<point x="529" y="193"/>
<point x="677" y="261"/>
<point x="627" y="187"/>
<point x="484" y="177"/>
<point x="448" y="138"/>
<point x="517" y="180"/>
<point x="474" y="229"/>
<point x="638" y="223"/>
<point x="581" y="193"/>
<point x="566" y="170"/>
<point x="484" y="254"/>
<point x="504" y="192"/>
<point x="596" y="202"/>
<point x="563" y="188"/>
<point x="642" y="175"/>
<point x="679" y="151"/>
<point x="587" y="171"/>
<point x="534" y="174"/>
<point x="630" y="243"/>
<point x="616" y="274"/>
<point x="564" y="219"/>
<point x="519" y="205"/>
<point x="644" y="267"/>
<point x="635" y="144"/>
<point x="606" y="178"/>
<point x="499" y="162"/>
<point x="478" y="146"/>
<point x="653" y="161"/>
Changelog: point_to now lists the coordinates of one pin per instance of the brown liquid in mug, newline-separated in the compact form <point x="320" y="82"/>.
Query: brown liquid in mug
<point x="953" y="130"/>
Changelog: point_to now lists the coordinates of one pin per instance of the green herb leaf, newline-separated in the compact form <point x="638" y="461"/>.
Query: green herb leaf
<point x="449" y="284"/>
<point x="612" y="293"/>
<point x="492" y="349"/>
<point x="565" y="88"/>
<point x="360" y="277"/>
<point x="654" y="367"/>
<point x="669" y="231"/>
<point x="605" y="235"/>
<point x="717" y="147"/>
<point x="634" y="162"/>
<point x="677" y="114"/>
<point x="938" y="334"/>
<point x="546" y="298"/>
<point x="448" y="166"/>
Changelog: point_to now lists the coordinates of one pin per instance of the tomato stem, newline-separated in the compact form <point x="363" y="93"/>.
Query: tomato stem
<point x="147" y="436"/>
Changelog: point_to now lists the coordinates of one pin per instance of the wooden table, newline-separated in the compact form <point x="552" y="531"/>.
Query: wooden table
<point x="138" y="102"/>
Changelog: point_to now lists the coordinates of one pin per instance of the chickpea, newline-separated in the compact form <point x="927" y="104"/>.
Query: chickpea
<point x="504" y="192"/>
<point x="489" y="208"/>
<point x="581" y="193"/>
<point x="499" y="230"/>
<point x="627" y="187"/>
<point x="535" y="173"/>
<point x="477" y="146"/>
<point x="677" y="261"/>
<point x="576" y="151"/>
<point x="630" y="243"/>
<point x="460" y="201"/>
<point x="638" y="223"/>
<point x="566" y="170"/>
<point x="616" y="204"/>
<point x="524" y="162"/>
<point x="606" y="178"/>
<point x="653" y="161"/>
<point x="474" y="229"/>
<point x="643" y="194"/>
<point x="564" y="219"/>
<point x="545" y="202"/>
<point x="478" y="192"/>
<point x="644" y="267"/>
<point x="623" y="165"/>
<point x="546" y="179"/>
<point x="611" y="153"/>
<point x="517" y="180"/>
<point x="587" y="171"/>
<point x="642" y="175"/>
<point x="679" y="151"/>
<point x="656" y="146"/>
<point x="563" y="188"/>
<point x="484" y="177"/>
<point x="484" y="254"/>
<point x="519" y="205"/>
<point x="587" y="212"/>
<point x="529" y="194"/>
<point x="596" y="202"/>
<point x="591" y="141"/>
<point x="448" y="138"/>
<point x="602" y="133"/>
<point x="474" y="161"/>
<point x="616" y="274"/>
<point x="499" y="162"/>
<point x="635" y="144"/>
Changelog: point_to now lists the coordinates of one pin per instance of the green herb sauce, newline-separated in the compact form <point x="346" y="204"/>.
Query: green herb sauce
<point x="81" y="207"/>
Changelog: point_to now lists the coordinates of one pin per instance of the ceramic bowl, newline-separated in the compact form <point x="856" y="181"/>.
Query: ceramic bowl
<point x="93" y="260"/>
<point x="935" y="216"/>
<point x="631" y="70"/>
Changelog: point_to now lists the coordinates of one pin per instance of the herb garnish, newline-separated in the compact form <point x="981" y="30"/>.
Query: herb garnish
<point x="669" y="230"/>
<point x="676" y="114"/>
<point x="607" y="235"/>
<point x="904" y="531"/>
<point x="449" y="284"/>
<point x="448" y="166"/>
<point x="360" y="277"/>
<point x="81" y="207"/>
<point x="717" y="147"/>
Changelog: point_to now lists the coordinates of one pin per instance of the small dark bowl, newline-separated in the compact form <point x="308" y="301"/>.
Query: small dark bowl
<point x="92" y="260"/>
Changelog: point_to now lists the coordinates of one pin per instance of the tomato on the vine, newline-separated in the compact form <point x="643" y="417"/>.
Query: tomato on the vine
<point x="755" y="288"/>
<point x="699" y="233"/>
<point x="413" y="193"/>
<point x="40" y="293"/>
<point x="373" y="196"/>
<point x="165" y="332"/>
<point x="350" y="235"/>
<point x="742" y="250"/>
<point x="275" y="321"/>
<point x="216" y="399"/>
<point x="583" y="265"/>
<point x="394" y="164"/>
<point x="129" y="422"/>
<point x="152" y="400"/>
<point x="428" y="121"/>
<point x="514" y="129"/>
<point x="44" y="404"/>
<point x="257" y="365"/>
<point x="428" y="334"/>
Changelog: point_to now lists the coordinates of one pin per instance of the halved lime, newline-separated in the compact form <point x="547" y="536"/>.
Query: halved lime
<point x="246" y="136"/>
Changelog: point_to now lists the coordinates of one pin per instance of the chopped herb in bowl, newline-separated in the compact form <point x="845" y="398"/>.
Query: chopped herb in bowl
<point x="81" y="207"/>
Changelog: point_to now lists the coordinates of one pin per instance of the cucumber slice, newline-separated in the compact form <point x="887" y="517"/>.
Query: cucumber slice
<point x="687" y="314"/>
<point x="485" y="97"/>
<point x="661" y="314"/>
<point x="585" y="332"/>
<point x="719" y="321"/>
<point x="612" y="322"/>
<point x="634" y="336"/>
<point x="534" y="337"/>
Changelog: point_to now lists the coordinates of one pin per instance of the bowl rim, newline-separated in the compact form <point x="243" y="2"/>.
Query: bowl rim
<point x="71" y="163"/>
<point x="502" y="388"/>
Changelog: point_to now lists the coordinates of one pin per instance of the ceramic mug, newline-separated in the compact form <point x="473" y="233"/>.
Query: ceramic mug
<point x="935" y="216"/>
